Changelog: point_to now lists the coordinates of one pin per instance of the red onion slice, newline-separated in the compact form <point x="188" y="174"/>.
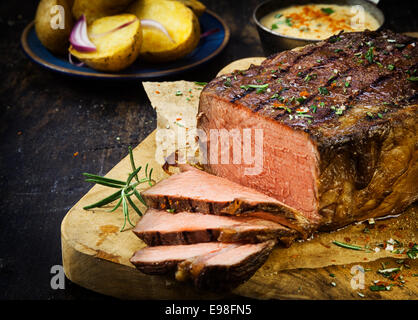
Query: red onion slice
<point x="114" y="29"/>
<point x="209" y="32"/>
<point x="70" y="59"/>
<point x="148" y="23"/>
<point x="79" y="38"/>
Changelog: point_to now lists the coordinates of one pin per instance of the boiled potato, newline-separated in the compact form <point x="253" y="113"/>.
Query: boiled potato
<point x="53" y="24"/>
<point x="95" y="9"/>
<point x="180" y="22"/>
<point x="116" y="50"/>
<point x="197" y="7"/>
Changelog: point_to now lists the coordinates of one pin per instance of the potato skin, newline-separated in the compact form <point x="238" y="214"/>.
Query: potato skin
<point x="95" y="9"/>
<point x="197" y="7"/>
<point x="118" y="56"/>
<point x="174" y="10"/>
<point x="54" y="40"/>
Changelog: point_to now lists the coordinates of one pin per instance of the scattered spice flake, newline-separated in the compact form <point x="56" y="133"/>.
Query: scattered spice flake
<point x="369" y="55"/>
<point x="289" y="22"/>
<point x="332" y="275"/>
<point x="170" y="210"/>
<point x="179" y="93"/>
<point x="75" y="154"/>
<point x="379" y="288"/>
<point x="200" y="83"/>
<point x="324" y="91"/>
<point x="387" y="272"/>
<point x="327" y="11"/>
<point x="370" y="115"/>
<point x="334" y="39"/>
<point x="157" y="92"/>
<point x="413" y="251"/>
<point x="228" y="82"/>
<point x="260" y="88"/>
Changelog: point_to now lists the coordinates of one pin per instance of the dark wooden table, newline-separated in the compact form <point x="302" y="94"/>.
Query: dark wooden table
<point x="53" y="128"/>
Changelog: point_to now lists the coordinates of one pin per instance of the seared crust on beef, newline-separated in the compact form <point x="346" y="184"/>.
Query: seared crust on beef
<point x="371" y="82"/>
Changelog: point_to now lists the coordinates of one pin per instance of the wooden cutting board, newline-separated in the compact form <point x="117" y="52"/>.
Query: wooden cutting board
<point x="96" y="254"/>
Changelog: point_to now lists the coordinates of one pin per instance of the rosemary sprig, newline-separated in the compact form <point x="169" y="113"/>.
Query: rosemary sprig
<point x="126" y="189"/>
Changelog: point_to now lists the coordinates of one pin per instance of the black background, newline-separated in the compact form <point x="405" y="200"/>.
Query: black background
<point x="46" y="117"/>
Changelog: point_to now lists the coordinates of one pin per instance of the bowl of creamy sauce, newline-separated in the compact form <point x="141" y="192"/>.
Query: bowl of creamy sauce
<point x="286" y="24"/>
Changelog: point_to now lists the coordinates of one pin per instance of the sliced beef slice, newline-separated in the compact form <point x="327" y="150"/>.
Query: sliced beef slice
<point x="211" y="266"/>
<point x="163" y="259"/>
<point x="226" y="268"/>
<point x="159" y="227"/>
<point x="197" y="191"/>
<point x="339" y="123"/>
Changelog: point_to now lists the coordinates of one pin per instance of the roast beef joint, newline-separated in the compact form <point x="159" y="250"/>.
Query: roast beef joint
<point x="339" y="144"/>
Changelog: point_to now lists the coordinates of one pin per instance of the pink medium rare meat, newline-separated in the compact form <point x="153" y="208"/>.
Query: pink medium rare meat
<point x="159" y="227"/>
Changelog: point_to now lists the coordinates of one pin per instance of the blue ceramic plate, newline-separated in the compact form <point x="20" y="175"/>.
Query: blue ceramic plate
<point x="208" y="48"/>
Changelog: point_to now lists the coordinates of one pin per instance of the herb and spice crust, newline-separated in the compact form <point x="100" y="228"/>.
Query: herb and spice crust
<point x="353" y="98"/>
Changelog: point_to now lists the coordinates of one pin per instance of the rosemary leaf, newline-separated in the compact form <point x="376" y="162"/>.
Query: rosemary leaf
<point x="125" y="208"/>
<point x="125" y="211"/>
<point x="134" y="206"/>
<point x="116" y="206"/>
<point x="95" y="177"/>
<point x="347" y="246"/>
<point x="149" y="177"/>
<point x="139" y="197"/>
<point x="131" y="158"/>
<point x="105" y="201"/>
<point x="132" y="175"/>
<point x="103" y="183"/>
